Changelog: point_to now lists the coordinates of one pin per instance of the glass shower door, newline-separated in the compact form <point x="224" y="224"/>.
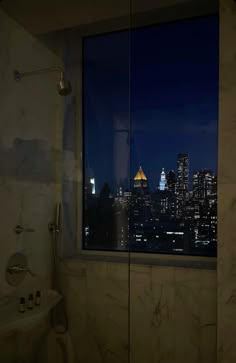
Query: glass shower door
<point x="173" y="167"/>
<point x="104" y="256"/>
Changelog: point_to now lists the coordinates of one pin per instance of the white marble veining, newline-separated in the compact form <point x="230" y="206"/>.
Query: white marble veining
<point x="29" y="152"/>
<point x="172" y="312"/>
<point x="97" y="310"/>
<point x="30" y="172"/>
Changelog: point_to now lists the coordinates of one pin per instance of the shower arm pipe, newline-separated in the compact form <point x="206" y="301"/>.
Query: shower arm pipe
<point x="19" y="75"/>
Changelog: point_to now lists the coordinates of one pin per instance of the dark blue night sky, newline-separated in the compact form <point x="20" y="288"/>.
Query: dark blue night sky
<point x="150" y="95"/>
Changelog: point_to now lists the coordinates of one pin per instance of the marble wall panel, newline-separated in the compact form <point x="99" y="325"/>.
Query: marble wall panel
<point x="226" y="285"/>
<point x="170" y="317"/>
<point x="30" y="171"/>
<point x="30" y="156"/>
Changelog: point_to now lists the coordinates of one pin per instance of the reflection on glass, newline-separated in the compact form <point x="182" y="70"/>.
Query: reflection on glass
<point x="150" y="139"/>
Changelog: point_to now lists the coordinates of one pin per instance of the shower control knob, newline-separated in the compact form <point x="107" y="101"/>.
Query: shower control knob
<point x="17" y="76"/>
<point x="52" y="227"/>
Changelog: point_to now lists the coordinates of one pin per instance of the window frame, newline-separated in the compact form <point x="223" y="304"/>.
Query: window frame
<point x="165" y="15"/>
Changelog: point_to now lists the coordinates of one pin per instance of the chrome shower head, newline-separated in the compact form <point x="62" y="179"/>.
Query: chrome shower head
<point x="63" y="86"/>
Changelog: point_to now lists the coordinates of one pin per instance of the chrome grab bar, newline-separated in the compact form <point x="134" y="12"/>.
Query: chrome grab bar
<point x="19" y="229"/>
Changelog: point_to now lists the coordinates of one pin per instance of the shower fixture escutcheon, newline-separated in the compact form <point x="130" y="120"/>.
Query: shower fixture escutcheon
<point x="17" y="268"/>
<point x="17" y="75"/>
<point x="19" y="229"/>
<point x="63" y="86"/>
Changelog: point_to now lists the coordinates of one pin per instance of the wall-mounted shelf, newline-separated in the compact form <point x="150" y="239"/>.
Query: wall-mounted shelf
<point x="12" y="319"/>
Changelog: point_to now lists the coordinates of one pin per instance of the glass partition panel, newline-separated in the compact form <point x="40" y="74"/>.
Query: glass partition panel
<point x="104" y="249"/>
<point x="174" y="120"/>
<point x="173" y="208"/>
<point x="106" y="140"/>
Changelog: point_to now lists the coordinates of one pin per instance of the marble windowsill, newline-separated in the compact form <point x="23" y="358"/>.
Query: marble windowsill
<point x="193" y="262"/>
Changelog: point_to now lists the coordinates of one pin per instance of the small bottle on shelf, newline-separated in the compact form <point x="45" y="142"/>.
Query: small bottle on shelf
<point x="22" y="305"/>
<point x="30" y="301"/>
<point x="38" y="298"/>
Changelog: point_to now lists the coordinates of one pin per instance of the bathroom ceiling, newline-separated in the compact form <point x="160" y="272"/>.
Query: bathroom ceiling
<point x="43" y="16"/>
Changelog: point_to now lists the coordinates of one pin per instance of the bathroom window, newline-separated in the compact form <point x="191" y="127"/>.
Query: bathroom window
<point x="150" y="121"/>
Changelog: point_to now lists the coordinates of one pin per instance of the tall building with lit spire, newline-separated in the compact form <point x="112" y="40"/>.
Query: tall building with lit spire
<point x="163" y="181"/>
<point x="140" y="179"/>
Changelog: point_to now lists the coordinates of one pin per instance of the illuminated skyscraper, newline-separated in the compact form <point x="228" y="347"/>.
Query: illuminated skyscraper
<point x="89" y="186"/>
<point x="182" y="183"/>
<point x="92" y="181"/>
<point x="171" y="181"/>
<point x="182" y="174"/>
<point x="140" y="179"/>
<point x="203" y="184"/>
<point x="163" y="182"/>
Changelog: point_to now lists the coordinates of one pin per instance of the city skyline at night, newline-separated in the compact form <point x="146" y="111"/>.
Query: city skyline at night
<point x="180" y="216"/>
<point x="151" y="100"/>
<point x="160" y="89"/>
<point x="158" y="183"/>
